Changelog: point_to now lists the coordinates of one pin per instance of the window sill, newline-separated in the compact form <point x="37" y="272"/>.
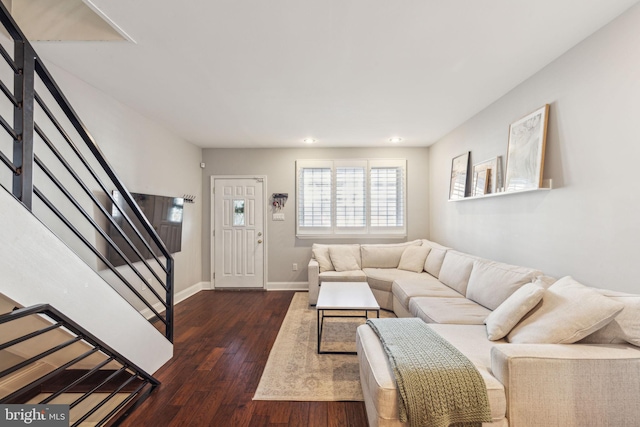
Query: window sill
<point x="349" y="236"/>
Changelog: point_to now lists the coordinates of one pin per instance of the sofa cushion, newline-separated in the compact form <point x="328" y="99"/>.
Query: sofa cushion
<point x="424" y="285"/>
<point x="456" y="269"/>
<point x="379" y="382"/>
<point x="512" y="310"/>
<point x="345" y="257"/>
<point x="448" y="310"/>
<point x="342" y="276"/>
<point x="413" y="258"/>
<point x="433" y="263"/>
<point x="569" y="312"/>
<point x="491" y="283"/>
<point x="625" y="327"/>
<point x="384" y="255"/>
<point x="382" y="278"/>
<point x="321" y="254"/>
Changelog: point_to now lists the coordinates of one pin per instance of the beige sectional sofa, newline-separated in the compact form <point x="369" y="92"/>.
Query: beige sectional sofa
<point x="535" y="372"/>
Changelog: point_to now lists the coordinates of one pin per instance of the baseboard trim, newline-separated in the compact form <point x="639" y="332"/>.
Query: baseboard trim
<point x="177" y="298"/>
<point x="287" y="286"/>
<point x="205" y="286"/>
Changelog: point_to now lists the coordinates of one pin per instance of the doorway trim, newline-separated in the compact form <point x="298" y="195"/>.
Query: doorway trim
<point x="212" y="211"/>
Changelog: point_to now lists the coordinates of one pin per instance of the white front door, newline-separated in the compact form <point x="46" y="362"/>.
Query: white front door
<point x="238" y="249"/>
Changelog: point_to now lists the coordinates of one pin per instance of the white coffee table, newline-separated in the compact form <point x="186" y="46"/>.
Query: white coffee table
<point x="353" y="296"/>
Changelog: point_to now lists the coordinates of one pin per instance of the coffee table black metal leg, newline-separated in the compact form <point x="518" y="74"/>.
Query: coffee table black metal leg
<point x="320" y="324"/>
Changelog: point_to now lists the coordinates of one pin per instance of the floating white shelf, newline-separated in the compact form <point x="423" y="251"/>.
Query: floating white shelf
<point x="547" y="185"/>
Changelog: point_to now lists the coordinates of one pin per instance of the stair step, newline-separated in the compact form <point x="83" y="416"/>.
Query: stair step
<point x="85" y="406"/>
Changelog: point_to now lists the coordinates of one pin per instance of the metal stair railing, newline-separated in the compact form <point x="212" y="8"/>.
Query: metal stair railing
<point x="47" y="152"/>
<point x="73" y="368"/>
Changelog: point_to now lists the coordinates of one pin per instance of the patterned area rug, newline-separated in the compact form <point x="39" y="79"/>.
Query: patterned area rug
<point x="296" y="372"/>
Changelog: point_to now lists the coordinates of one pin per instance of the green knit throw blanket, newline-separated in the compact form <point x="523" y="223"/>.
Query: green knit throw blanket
<point x="438" y="385"/>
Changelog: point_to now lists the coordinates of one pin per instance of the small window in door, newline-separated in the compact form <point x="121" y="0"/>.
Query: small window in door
<point x="238" y="212"/>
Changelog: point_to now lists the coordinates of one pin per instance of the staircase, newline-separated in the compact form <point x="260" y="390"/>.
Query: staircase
<point x="82" y="339"/>
<point x="47" y="359"/>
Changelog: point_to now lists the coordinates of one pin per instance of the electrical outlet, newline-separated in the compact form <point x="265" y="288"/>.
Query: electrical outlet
<point x="295" y="267"/>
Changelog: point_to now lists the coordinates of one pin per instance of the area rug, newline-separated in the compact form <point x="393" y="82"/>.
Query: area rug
<point x="296" y="372"/>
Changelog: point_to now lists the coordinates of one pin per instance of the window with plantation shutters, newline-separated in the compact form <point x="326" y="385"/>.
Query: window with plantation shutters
<point x="351" y="182"/>
<point x="343" y="198"/>
<point x="314" y="197"/>
<point x="387" y="201"/>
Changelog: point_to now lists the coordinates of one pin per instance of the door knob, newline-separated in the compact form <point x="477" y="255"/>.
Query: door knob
<point x="260" y="241"/>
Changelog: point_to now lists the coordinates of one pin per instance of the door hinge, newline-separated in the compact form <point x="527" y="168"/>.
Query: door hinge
<point x="213" y="191"/>
<point x="214" y="276"/>
<point x="214" y="233"/>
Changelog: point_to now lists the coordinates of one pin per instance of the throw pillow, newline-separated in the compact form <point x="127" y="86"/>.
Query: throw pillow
<point x="512" y="310"/>
<point x="625" y="328"/>
<point x="569" y="312"/>
<point x="413" y="258"/>
<point x="321" y="254"/>
<point x="343" y="258"/>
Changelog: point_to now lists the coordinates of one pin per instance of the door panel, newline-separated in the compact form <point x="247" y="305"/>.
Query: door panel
<point x="239" y="233"/>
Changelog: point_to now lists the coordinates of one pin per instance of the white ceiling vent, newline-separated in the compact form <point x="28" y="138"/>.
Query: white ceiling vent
<point x="64" y="20"/>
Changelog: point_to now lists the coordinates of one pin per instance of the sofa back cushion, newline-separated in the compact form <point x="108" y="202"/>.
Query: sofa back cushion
<point x="625" y="327"/>
<point x="345" y="257"/>
<point x="321" y="254"/>
<point x="456" y="269"/>
<point x="491" y="283"/>
<point x="434" y="260"/>
<point x="384" y="255"/>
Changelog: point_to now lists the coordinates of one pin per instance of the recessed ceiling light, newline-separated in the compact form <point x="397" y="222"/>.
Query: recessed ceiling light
<point x="308" y="140"/>
<point x="395" y="139"/>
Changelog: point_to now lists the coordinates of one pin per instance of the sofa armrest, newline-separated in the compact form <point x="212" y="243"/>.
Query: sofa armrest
<point x="313" y="270"/>
<point x="569" y="384"/>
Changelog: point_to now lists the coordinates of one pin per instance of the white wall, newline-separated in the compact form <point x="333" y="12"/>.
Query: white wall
<point x="37" y="268"/>
<point x="588" y="226"/>
<point x="147" y="158"/>
<point x="278" y="165"/>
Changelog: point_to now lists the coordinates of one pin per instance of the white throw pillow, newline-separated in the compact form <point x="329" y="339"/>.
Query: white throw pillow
<point x="321" y="254"/>
<point x="569" y="312"/>
<point x="625" y="328"/>
<point x="413" y="258"/>
<point x="512" y="310"/>
<point x="343" y="258"/>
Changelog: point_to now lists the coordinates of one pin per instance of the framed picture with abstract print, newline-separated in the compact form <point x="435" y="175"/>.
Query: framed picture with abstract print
<point x="525" y="152"/>
<point x="459" y="169"/>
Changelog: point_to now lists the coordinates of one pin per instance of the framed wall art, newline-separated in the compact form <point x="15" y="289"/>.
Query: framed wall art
<point x="525" y="151"/>
<point x="481" y="181"/>
<point x="459" y="169"/>
<point x="494" y="176"/>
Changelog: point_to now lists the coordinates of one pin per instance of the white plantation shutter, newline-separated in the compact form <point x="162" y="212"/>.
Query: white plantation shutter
<point x="314" y="197"/>
<point x="351" y="198"/>
<point x="387" y="199"/>
<point x="351" y="184"/>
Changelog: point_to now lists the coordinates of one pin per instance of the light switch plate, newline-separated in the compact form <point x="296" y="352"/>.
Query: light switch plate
<point x="278" y="217"/>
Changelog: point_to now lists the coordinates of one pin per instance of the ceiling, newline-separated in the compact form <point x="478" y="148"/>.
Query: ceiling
<point x="348" y="73"/>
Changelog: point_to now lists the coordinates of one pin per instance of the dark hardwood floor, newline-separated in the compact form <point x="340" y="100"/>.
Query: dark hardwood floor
<point x="222" y="342"/>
